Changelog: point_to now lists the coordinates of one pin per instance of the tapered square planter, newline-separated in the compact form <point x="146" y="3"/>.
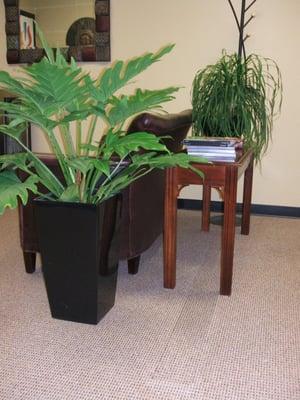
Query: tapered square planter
<point x="79" y="246"/>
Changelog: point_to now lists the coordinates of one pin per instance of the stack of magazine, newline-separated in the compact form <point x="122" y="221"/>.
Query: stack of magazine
<point x="212" y="148"/>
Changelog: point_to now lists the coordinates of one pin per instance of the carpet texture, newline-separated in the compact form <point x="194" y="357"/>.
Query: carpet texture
<point x="182" y="344"/>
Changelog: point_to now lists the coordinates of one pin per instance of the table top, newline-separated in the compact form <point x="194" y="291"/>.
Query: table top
<point x="214" y="172"/>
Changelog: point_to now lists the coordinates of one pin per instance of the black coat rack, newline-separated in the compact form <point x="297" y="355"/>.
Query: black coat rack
<point x="242" y="23"/>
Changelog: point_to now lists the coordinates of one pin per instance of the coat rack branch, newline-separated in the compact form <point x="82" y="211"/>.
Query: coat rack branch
<point x="249" y="20"/>
<point x="241" y="24"/>
<point x="250" y="5"/>
<point x="234" y="14"/>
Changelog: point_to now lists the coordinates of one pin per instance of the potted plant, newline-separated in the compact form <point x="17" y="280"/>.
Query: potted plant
<point x="77" y="218"/>
<point x="238" y="96"/>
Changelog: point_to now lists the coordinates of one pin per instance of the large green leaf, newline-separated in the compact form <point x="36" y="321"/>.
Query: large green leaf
<point x="124" y="106"/>
<point x="57" y="85"/>
<point x="142" y="164"/>
<point x="30" y="98"/>
<point x="14" y="129"/>
<point x="46" y="176"/>
<point x="71" y="193"/>
<point x="16" y="160"/>
<point x="16" y="86"/>
<point x="48" y="179"/>
<point x="27" y="113"/>
<point x="53" y="85"/>
<point x="122" y="72"/>
<point x="11" y="188"/>
<point x="102" y="166"/>
<point x="77" y="115"/>
<point x="82" y="164"/>
<point x="153" y="160"/>
<point x="124" y="145"/>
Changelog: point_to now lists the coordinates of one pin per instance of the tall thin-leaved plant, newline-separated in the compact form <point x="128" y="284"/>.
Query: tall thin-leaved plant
<point x="239" y="97"/>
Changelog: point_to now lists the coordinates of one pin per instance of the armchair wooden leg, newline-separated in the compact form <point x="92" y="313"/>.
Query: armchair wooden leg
<point x="29" y="260"/>
<point x="133" y="265"/>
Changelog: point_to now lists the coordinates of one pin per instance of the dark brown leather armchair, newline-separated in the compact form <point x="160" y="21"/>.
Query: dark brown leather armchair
<point x="143" y="201"/>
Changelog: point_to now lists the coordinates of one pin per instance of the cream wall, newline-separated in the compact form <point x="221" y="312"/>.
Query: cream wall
<point x="201" y="29"/>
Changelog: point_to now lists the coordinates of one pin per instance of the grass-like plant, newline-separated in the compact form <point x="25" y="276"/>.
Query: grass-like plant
<point x="239" y="97"/>
<point x="58" y="97"/>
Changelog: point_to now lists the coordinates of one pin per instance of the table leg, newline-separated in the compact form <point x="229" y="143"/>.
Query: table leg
<point x="248" y="176"/>
<point x="206" y="207"/>
<point x="170" y="229"/>
<point x="228" y="231"/>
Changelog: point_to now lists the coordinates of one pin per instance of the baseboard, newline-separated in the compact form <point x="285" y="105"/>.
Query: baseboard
<point x="262" y="209"/>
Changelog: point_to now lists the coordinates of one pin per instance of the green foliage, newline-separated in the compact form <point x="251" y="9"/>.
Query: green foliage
<point x="58" y="97"/>
<point x="11" y="188"/>
<point x="238" y="97"/>
<point x="126" y="106"/>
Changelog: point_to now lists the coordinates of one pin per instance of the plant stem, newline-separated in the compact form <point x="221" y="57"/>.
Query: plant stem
<point x="109" y="178"/>
<point x="44" y="195"/>
<point x="67" y="140"/>
<point x="78" y="137"/>
<point x="105" y="192"/>
<point x="91" y="131"/>
<point x="69" y="177"/>
<point x="50" y="180"/>
<point x="82" y="191"/>
<point x="92" y="178"/>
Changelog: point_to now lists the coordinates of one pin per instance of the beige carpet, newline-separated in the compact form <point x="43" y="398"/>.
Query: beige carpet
<point x="184" y="344"/>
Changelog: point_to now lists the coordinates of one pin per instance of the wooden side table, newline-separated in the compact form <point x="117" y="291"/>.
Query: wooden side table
<point x="224" y="175"/>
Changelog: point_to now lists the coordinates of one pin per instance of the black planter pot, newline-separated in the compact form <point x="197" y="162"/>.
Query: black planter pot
<point x="79" y="249"/>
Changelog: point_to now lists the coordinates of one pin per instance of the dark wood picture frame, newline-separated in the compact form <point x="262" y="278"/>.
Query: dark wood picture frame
<point x="100" y="51"/>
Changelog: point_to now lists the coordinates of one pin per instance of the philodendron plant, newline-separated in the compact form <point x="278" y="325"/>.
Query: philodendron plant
<point x="61" y="99"/>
